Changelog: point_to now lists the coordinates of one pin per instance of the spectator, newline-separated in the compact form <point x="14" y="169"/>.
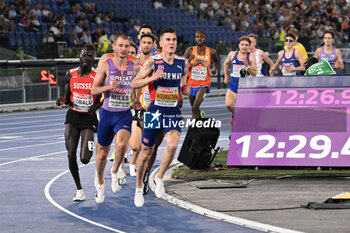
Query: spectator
<point x="45" y="11"/>
<point x="79" y="26"/>
<point x="96" y="36"/>
<point x="61" y="32"/>
<point x="111" y="38"/>
<point x="37" y="10"/>
<point x="54" y="30"/>
<point x="86" y="37"/>
<point x="73" y="38"/>
<point x="34" y="24"/>
<point x="158" y="4"/>
<point x="48" y="38"/>
<point x="103" y="43"/>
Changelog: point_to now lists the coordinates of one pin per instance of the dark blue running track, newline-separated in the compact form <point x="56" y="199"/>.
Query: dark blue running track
<point x="37" y="189"/>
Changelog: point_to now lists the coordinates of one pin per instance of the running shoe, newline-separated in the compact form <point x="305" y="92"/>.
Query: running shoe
<point x="117" y="178"/>
<point x="132" y="168"/>
<point x="138" y="199"/>
<point x="159" y="191"/>
<point x="79" y="196"/>
<point x="202" y="114"/>
<point x="100" y="193"/>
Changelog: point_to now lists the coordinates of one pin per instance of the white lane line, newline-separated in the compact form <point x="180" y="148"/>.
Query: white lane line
<point x="213" y="214"/>
<point x="35" y="131"/>
<point x="46" y="170"/>
<point x="32" y="126"/>
<point x="21" y="147"/>
<point x="28" y="117"/>
<point x="19" y="123"/>
<point x="21" y="138"/>
<point x="32" y="158"/>
<point x="50" y="199"/>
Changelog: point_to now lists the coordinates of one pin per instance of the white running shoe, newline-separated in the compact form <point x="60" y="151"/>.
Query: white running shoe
<point x="159" y="191"/>
<point x="100" y="193"/>
<point x="116" y="180"/>
<point x="79" y="196"/>
<point x="132" y="168"/>
<point x="138" y="199"/>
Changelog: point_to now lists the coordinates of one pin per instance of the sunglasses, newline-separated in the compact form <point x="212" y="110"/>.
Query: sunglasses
<point x="289" y="40"/>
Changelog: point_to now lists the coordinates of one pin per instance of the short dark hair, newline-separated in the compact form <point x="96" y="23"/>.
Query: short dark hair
<point x="88" y="47"/>
<point x="290" y="35"/>
<point x="203" y="32"/>
<point x="246" y="38"/>
<point x="145" y="25"/>
<point x="166" y="30"/>
<point x="132" y="44"/>
<point x="329" y="32"/>
<point x="152" y="36"/>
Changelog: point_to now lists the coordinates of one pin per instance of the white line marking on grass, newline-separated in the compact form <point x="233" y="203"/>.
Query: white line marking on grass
<point x="49" y="198"/>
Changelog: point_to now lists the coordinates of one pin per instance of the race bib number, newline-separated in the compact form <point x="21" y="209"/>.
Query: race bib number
<point x="235" y="70"/>
<point x="199" y="73"/>
<point x="119" y="98"/>
<point x="167" y="96"/>
<point x="82" y="102"/>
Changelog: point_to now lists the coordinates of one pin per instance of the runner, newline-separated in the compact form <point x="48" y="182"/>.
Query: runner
<point x="241" y="61"/>
<point x="169" y="76"/>
<point x="261" y="58"/>
<point x="114" y="78"/>
<point x="330" y="53"/>
<point x="290" y="59"/>
<point x="81" y="120"/>
<point x="199" y="79"/>
<point x="146" y="45"/>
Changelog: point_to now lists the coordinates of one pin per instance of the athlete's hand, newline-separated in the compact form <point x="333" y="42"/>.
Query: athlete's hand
<point x="158" y="74"/>
<point x="226" y="80"/>
<point x="213" y="71"/>
<point x="271" y="72"/>
<point x="93" y="108"/>
<point x="288" y="69"/>
<point x="181" y="101"/>
<point x="136" y="105"/>
<point x="185" y="90"/>
<point x="60" y="101"/>
<point x="113" y="84"/>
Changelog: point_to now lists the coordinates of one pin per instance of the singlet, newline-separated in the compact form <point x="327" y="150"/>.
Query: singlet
<point x="330" y="57"/>
<point x="81" y="90"/>
<point x="259" y="65"/>
<point x="118" y="99"/>
<point x="130" y="57"/>
<point x="198" y="69"/>
<point x="289" y="62"/>
<point x="164" y="92"/>
<point x="237" y="65"/>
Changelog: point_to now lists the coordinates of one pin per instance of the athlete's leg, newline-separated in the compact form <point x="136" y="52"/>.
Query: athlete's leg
<point x="71" y="136"/>
<point x="87" y="145"/>
<point x="197" y="102"/>
<point x="230" y="100"/>
<point x="121" y="144"/>
<point x="101" y="161"/>
<point x="135" y="145"/>
<point x="145" y="155"/>
<point x="173" y="137"/>
<point x="155" y="150"/>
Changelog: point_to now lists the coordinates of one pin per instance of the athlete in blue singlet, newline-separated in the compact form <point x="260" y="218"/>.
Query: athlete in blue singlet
<point x="114" y="78"/>
<point x="169" y="77"/>
<point x="238" y="60"/>
<point x="330" y="53"/>
<point x="290" y="59"/>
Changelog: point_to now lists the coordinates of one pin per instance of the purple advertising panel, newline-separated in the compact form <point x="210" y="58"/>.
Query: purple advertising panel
<point x="291" y="127"/>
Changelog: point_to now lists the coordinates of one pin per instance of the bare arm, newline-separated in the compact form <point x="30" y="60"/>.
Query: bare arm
<point x="339" y="63"/>
<point x="267" y="59"/>
<point x="140" y="80"/>
<point x="67" y="91"/>
<point x="215" y="57"/>
<point x="252" y="66"/>
<point x="188" y="53"/>
<point x="317" y="53"/>
<point x="277" y="63"/>
<point x="301" y="61"/>
<point x="226" y="67"/>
